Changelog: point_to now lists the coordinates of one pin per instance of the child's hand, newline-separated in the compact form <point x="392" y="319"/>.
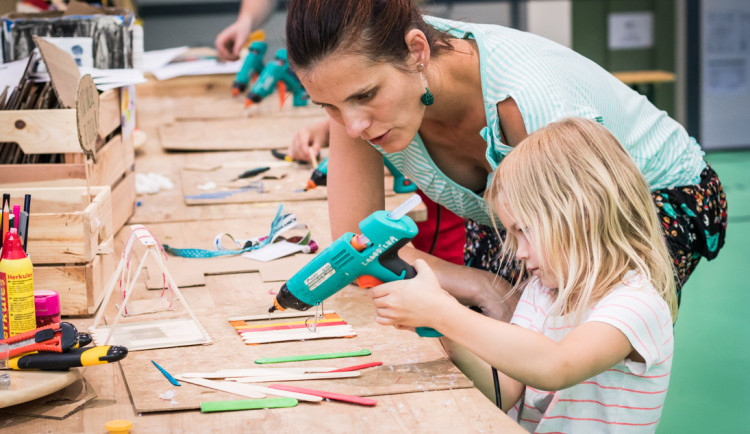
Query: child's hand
<point x="417" y="302"/>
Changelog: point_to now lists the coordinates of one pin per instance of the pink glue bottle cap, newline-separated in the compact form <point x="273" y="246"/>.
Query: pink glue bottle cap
<point x="47" y="304"/>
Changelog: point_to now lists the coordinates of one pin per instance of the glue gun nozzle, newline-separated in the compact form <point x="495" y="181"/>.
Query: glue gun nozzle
<point x="272" y="309"/>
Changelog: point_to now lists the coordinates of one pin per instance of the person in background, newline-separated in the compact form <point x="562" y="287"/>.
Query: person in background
<point x="589" y="347"/>
<point x="252" y="15"/>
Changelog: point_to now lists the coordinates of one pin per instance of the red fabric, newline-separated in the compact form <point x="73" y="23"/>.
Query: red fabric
<point x="451" y="237"/>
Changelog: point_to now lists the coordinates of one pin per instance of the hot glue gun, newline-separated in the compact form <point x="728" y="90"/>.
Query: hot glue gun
<point x="370" y="258"/>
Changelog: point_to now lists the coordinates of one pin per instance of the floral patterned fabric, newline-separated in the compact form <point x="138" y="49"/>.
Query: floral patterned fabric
<point x="694" y="219"/>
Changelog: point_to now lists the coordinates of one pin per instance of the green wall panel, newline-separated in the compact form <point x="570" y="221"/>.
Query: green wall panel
<point x="590" y="21"/>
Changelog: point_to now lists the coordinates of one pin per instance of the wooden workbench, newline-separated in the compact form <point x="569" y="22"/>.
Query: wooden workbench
<point x="451" y="410"/>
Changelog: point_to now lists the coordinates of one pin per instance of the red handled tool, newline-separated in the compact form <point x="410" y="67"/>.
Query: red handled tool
<point x="56" y="338"/>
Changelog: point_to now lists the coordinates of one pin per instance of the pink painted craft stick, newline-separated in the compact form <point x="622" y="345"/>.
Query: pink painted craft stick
<point x="16" y="216"/>
<point x="357" y="367"/>
<point x="329" y="395"/>
<point x="289" y="327"/>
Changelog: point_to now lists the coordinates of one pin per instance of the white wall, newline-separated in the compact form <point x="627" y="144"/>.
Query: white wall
<point x="551" y="19"/>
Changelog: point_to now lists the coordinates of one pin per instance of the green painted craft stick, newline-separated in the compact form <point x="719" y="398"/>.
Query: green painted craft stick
<point x="312" y="357"/>
<point x="247" y="404"/>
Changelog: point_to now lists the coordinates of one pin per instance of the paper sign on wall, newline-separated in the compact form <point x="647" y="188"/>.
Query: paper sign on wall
<point x="630" y="30"/>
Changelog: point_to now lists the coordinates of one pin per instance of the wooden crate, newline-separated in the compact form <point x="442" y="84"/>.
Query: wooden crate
<point x="54" y="131"/>
<point x="70" y="243"/>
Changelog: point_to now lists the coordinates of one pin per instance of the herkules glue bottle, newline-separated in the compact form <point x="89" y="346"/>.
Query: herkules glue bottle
<point x="16" y="287"/>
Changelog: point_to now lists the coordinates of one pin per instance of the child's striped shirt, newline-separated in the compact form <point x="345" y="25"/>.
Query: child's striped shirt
<point x="626" y="398"/>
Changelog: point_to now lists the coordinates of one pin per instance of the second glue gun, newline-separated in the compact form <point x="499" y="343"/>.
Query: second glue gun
<point x="370" y="258"/>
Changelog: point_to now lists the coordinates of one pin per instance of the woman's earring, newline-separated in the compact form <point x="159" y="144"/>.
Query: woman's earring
<point x="427" y="97"/>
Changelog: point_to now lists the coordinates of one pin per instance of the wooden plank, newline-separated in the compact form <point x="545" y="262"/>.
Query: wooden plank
<point x="41" y="131"/>
<point x="233" y="134"/>
<point x="81" y="287"/>
<point x="109" y="112"/>
<point x="228" y="107"/>
<point x="186" y="86"/>
<point x="61" y="228"/>
<point x="40" y="175"/>
<point x="644" y="77"/>
<point x="112" y="161"/>
<point x="123" y="201"/>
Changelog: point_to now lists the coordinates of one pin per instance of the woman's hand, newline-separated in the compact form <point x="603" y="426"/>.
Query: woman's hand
<point x="308" y="141"/>
<point x="416" y="302"/>
<point x="229" y="42"/>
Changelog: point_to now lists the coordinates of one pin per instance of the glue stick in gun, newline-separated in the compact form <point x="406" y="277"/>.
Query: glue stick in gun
<point x="370" y="258"/>
<point x="277" y="73"/>
<point x="401" y="184"/>
<point x="252" y="66"/>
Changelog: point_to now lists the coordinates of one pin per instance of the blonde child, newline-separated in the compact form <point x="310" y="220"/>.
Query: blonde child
<point x="589" y="347"/>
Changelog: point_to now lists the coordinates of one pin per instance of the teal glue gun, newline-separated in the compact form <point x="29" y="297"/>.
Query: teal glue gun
<point x="251" y="67"/>
<point x="277" y="74"/>
<point x="370" y="258"/>
<point x="401" y="184"/>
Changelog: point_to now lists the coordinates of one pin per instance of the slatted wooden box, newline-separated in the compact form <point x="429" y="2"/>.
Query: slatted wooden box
<point x="54" y="131"/>
<point x="70" y="243"/>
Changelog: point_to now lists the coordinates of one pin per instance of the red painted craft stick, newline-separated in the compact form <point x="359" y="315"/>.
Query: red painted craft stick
<point x="329" y="395"/>
<point x="357" y="367"/>
<point x="289" y="327"/>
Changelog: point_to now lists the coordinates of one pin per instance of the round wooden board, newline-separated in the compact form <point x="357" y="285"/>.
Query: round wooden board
<point x="29" y="385"/>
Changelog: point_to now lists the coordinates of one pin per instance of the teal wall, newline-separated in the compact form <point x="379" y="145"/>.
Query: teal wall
<point x="589" y="28"/>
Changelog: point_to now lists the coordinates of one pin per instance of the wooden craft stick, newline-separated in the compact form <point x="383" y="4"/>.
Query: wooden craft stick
<point x="247" y="392"/>
<point x="245" y="389"/>
<point x="328" y="395"/>
<point x="224" y="373"/>
<point x="297" y="335"/>
<point x="280" y="315"/>
<point x="290" y="323"/>
<point x="304" y="357"/>
<point x="296" y="377"/>
<point x="247" y="404"/>
<point x="291" y="327"/>
<point x="357" y="367"/>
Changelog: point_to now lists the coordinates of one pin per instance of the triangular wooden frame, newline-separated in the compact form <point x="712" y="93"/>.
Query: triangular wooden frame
<point x="128" y="280"/>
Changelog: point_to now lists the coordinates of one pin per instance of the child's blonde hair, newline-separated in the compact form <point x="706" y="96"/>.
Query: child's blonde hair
<point x="588" y="211"/>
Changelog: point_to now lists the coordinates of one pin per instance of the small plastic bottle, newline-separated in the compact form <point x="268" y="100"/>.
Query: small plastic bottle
<point x="47" y="304"/>
<point x="16" y="287"/>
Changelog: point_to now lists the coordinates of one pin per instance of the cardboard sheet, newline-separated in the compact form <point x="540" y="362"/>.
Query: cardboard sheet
<point x="58" y="405"/>
<point x="188" y="272"/>
<point x="287" y="183"/>
<point x="227" y="107"/>
<point x="278" y="184"/>
<point x="234" y="134"/>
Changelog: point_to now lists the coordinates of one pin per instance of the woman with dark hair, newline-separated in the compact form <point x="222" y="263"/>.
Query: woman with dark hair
<point x="446" y="101"/>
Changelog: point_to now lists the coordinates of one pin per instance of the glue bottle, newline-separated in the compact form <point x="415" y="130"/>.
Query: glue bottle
<point x="16" y="287"/>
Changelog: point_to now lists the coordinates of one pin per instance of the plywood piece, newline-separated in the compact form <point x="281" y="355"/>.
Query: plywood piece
<point x="58" y="405"/>
<point x="283" y="269"/>
<point x="411" y="363"/>
<point x="233" y="134"/>
<point x="226" y="107"/>
<point x="30" y="385"/>
<point x="279" y="184"/>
